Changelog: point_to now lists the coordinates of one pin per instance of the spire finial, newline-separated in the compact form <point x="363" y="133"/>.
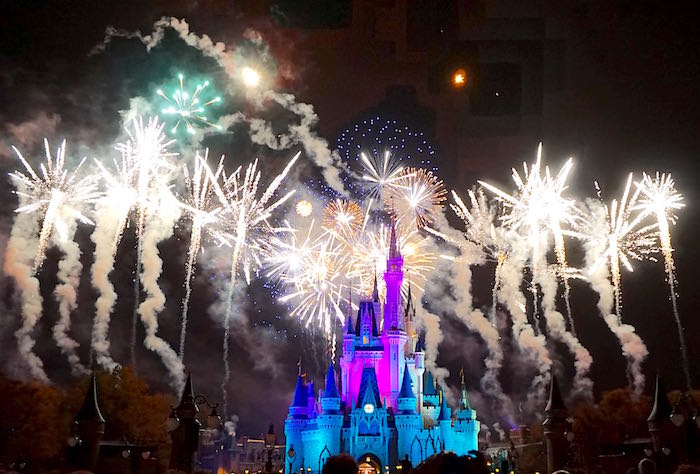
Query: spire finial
<point x="375" y="290"/>
<point x="393" y="244"/>
<point x="299" y="367"/>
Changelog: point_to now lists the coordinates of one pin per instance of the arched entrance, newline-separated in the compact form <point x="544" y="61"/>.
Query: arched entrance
<point x="369" y="464"/>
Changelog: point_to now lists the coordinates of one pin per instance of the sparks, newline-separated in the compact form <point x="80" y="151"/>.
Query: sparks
<point x="343" y="216"/>
<point x="188" y="108"/>
<point x="56" y="194"/>
<point x="417" y="197"/>
<point x="380" y="173"/>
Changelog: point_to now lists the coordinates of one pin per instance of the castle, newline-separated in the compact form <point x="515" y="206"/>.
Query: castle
<point x="388" y="407"/>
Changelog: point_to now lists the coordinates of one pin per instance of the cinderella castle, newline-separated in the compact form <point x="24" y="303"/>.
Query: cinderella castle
<point x="388" y="408"/>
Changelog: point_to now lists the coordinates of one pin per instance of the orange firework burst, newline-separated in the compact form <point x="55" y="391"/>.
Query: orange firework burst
<point x="417" y="197"/>
<point x="343" y="216"/>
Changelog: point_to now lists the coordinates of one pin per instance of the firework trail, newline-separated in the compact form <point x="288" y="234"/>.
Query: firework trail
<point x="146" y="148"/>
<point x="660" y="199"/>
<point x="481" y="230"/>
<point x="55" y="198"/>
<point x="416" y="198"/>
<point x="529" y="342"/>
<point x="202" y="187"/>
<point x="162" y="215"/>
<point x="538" y="207"/>
<point x="19" y="258"/>
<point x="249" y="234"/>
<point x="66" y="292"/>
<point x="598" y="263"/>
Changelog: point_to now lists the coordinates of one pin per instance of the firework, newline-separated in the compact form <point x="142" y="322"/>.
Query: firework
<point x="370" y="251"/>
<point x="202" y="187"/>
<point x="625" y="239"/>
<point x="55" y="193"/>
<point x="416" y="198"/>
<point x="249" y="234"/>
<point x="380" y="173"/>
<point x="313" y="279"/>
<point x="537" y="207"/>
<point x="343" y="216"/>
<point x="188" y="108"/>
<point x="660" y="199"/>
<point x="481" y="229"/>
<point x="304" y="208"/>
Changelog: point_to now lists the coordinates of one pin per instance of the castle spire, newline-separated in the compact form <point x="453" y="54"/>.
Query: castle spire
<point x="406" y="389"/>
<point x="444" y="409"/>
<point x="375" y="290"/>
<point x="409" y="313"/>
<point x="464" y="400"/>
<point x="90" y="411"/>
<point x="393" y="244"/>
<point x="331" y="390"/>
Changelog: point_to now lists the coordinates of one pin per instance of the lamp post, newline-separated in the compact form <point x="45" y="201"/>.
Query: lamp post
<point x="291" y="454"/>
<point x="270" y="440"/>
<point x="184" y="427"/>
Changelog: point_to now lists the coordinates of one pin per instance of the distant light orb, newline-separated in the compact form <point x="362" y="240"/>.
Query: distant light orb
<point x="304" y="208"/>
<point x="251" y="77"/>
<point x="459" y="78"/>
<point x="369" y="408"/>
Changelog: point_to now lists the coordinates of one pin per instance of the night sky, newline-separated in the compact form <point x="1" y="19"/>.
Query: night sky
<point x="613" y="84"/>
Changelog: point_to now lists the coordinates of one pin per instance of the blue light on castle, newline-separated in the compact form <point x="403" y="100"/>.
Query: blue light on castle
<point x="388" y="406"/>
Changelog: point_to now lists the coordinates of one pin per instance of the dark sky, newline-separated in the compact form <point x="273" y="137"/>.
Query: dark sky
<point x="619" y="92"/>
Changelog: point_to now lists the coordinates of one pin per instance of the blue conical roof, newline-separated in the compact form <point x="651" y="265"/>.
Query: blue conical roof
<point x="406" y="389"/>
<point x="330" y="391"/>
<point x="419" y="344"/>
<point x="429" y="386"/>
<point x="444" y="409"/>
<point x="300" y="393"/>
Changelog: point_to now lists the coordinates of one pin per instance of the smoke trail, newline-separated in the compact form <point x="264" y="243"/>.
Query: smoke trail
<point x="476" y="321"/>
<point x="110" y="216"/>
<point x="556" y="326"/>
<point x="66" y="292"/>
<point x="195" y="240"/>
<point x="19" y="258"/>
<point x="159" y="226"/>
<point x="533" y="345"/>
<point x="430" y="323"/>
<point x="633" y="348"/>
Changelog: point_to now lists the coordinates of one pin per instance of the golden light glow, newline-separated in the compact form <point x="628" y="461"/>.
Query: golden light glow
<point x="251" y="77"/>
<point x="304" y="208"/>
<point x="459" y="78"/>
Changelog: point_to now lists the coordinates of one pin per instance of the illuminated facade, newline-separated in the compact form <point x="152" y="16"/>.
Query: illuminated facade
<point x="387" y="407"/>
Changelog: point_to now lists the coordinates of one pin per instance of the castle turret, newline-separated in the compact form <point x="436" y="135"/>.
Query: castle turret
<point x="431" y="400"/>
<point x="419" y="360"/>
<point x="444" y="421"/>
<point x="91" y="427"/>
<point x="296" y="421"/>
<point x="311" y="399"/>
<point x="659" y="421"/>
<point x="555" y="426"/>
<point x="330" y="400"/>
<point x="330" y="421"/>
<point x="466" y="426"/>
<point x="408" y="421"/>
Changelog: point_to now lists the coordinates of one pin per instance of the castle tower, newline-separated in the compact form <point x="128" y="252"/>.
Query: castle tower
<point x="409" y="325"/>
<point x="330" y="420"/>
<point x="91" y="427"/>
<point x="431" y="400"/>
<point x="466" y="426"/>
<point x="408" y="421"/>
<point x="659" y="420"/>
<point x="296" y="421"/>
<point x="393" y="278"/>
<point x="419" y="360"/>
<point x="444" y="421"/>
<point x="555" y="426"/>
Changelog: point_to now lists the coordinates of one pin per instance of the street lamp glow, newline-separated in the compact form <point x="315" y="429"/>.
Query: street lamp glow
<point x="251" y="77"/>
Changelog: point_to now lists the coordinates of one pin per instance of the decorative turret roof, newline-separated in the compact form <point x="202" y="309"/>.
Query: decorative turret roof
<point x="90" y="411"/>
<point x="331" y="390"/>
<point x="406" y="388"/>
<point x="444" y="409"/>
<point x="419" y="344"/>
<point x="555" y="402"/>
<point x="369" y="389"/>
<point x="661" y="411"/>
<point x="300" y="393"/>
<point x="366" y="306"/>
<point x="429" y="385"/>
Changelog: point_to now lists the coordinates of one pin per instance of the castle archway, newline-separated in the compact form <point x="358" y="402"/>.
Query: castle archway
<point x="369" y="464"/>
